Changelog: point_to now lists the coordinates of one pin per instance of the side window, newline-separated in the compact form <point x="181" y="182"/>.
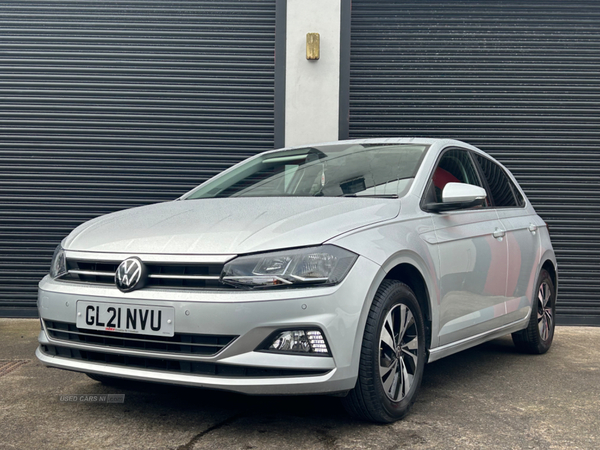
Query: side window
<point x="455" y="166"/>
<point x="501" y="186"/>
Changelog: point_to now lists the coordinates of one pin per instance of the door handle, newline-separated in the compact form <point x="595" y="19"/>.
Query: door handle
<point x="498" y="233"/>
<point x="532" y="228"/>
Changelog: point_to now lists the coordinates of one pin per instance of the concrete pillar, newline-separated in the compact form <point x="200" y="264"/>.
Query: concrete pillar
<point x="312" y="88"/>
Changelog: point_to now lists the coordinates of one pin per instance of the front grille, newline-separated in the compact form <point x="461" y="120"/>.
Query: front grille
<point x="176" y="366"/>
<point x="180" y="343"/>
<point x="167" y="275"/>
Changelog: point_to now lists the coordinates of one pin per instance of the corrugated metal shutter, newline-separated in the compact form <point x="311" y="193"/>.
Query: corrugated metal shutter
<point x="519" y="79"/>
<point x="110" y="105"/>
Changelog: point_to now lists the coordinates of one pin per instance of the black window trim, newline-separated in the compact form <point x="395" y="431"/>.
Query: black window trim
<point x="510" y="185"/>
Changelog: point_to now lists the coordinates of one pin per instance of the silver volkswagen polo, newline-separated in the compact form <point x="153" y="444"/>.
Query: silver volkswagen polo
<point x="338" y="268"/>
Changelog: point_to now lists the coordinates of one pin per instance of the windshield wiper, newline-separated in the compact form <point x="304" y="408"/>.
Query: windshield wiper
<point x="371" y="195"/>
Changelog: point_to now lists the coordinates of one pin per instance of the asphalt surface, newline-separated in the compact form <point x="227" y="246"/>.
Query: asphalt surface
<point x="487" y="397"/>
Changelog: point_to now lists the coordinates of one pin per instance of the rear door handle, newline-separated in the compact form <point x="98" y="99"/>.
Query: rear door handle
<point x="498" y="233"/>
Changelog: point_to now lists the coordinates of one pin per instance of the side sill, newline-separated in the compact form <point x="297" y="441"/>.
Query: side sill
<point x="455" y="347"/>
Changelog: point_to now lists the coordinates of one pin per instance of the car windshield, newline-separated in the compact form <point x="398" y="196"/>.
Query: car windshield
<point x="353" y="170"/>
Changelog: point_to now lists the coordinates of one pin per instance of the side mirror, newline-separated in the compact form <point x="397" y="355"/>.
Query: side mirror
<point x="459" y="196"/>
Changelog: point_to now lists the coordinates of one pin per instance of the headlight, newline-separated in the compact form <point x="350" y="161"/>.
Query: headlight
<point x="58" y="267"/>
<point x="324" y="265"/>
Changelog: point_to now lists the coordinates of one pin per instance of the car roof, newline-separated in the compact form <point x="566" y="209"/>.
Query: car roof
<point x="438" y="142"/>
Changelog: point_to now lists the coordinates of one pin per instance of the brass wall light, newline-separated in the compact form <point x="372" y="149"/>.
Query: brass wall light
<point x="312" y="46"/>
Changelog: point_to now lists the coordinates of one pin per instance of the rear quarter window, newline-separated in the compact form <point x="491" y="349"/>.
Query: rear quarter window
<point x="504" y="192"/>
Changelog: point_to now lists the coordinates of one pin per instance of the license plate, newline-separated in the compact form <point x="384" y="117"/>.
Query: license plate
<point x="124" y="318"/>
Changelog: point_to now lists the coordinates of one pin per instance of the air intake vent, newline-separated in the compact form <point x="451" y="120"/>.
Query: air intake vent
<point x="185" y="344"/>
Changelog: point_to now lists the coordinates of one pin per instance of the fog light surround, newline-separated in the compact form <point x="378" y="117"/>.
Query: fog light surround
<point x="308" y="341"/>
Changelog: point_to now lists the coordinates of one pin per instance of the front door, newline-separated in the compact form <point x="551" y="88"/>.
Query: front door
<point x="473" y="257"/>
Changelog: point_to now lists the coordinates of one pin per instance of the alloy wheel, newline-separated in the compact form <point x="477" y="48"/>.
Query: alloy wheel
<point x="544" y="314"/>
<point x="398" y="354"/>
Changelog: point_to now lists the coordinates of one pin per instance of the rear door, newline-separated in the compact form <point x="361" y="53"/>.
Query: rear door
<point x="522" y="238"/>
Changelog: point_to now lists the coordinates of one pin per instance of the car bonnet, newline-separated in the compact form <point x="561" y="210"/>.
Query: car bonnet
<point x="229" y="225"/>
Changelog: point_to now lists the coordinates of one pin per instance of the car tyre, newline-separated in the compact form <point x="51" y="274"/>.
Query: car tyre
<point x="392" y="357"/>
<point x="537" y="337"/>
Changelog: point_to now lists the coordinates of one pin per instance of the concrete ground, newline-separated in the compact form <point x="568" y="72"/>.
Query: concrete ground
<point x="488" y="397"/>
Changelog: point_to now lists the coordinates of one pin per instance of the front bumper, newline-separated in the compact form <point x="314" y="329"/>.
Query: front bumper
<point x="339" y="311"/>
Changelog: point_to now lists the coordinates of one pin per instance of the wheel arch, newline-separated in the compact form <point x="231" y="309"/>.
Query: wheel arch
<point x="548" y="262"/>
<point x="551" y="269"/>
<point x="409" y="268"/>
<point x="410" y="275"/>
<point x="404" y="265"/>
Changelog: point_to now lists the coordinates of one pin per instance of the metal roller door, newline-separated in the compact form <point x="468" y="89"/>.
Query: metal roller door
<point x="519" y="79"/>
<point x="110" y="105"/>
